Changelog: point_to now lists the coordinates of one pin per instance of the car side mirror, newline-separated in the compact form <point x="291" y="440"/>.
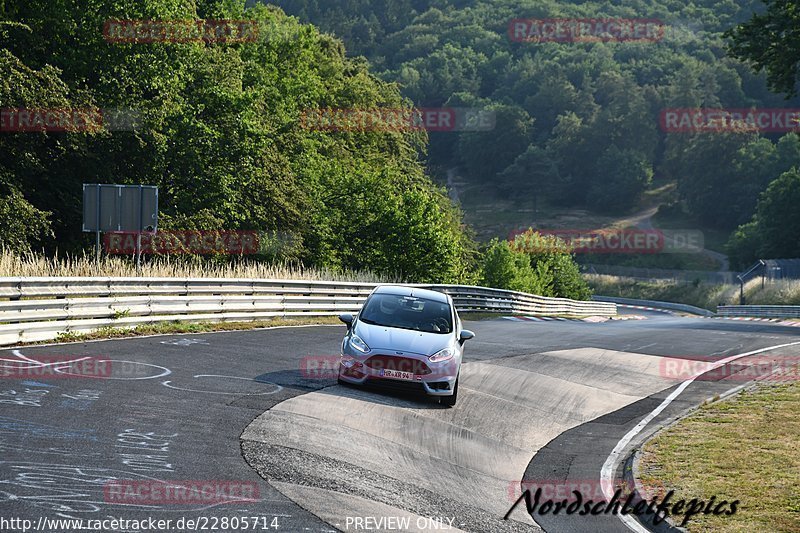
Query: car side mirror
<point x="465" y="335"/>
<point x="347" y="318"/>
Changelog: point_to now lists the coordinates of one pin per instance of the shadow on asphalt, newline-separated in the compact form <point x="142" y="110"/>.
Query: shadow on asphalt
<point x="386" y="393"/>
<point x="296" y="379"/>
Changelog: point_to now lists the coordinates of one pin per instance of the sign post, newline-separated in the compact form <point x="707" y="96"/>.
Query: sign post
<point x="109" y="207"/>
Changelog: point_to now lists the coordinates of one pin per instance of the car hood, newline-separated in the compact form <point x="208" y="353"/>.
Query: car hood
<point x="402" y="340"/>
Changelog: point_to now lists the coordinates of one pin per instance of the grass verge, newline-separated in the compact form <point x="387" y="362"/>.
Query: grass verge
<point x="172" y="328"/>
<point x="744" y="448"/>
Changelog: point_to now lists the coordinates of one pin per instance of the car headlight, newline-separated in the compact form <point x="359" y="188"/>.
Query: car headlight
<point x="443" y="355"/>
<point x="348" y="361"/>
<point x="358" y="344"/>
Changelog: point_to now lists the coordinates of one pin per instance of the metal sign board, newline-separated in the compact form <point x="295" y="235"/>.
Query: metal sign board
<point x="120" y="207"/>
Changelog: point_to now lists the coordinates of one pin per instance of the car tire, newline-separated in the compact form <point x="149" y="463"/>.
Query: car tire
<point x="450" y="401"/>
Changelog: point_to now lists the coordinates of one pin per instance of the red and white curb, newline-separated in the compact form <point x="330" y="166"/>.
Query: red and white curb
<point x="781" y="321"/>
<point x="643" y="308"/>
<point x="538" y="318"/>
<point x="593" y="319"/>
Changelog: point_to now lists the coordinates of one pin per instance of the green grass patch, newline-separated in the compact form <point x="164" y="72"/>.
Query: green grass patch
<point x="491" y="216"/>
<point x="170" y="328"/>
<point x="746" y="449"/>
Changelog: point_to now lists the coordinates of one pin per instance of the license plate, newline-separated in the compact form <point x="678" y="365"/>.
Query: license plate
<point x="397" y="374"/>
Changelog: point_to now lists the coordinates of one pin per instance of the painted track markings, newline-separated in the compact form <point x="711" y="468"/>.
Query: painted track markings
<point x="589" y="319"/>
<point x="779" y="321"/>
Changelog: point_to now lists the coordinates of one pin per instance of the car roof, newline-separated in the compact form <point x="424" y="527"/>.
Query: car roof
<point x="412" y="291"/>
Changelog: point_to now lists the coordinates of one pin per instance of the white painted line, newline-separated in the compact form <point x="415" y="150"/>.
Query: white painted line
<point x="221" y="376"/>
<point x="278" y="388"/>
<point x="166" y="371"/>
<point x="607" y="472"/>
<point x="39" y="363"/>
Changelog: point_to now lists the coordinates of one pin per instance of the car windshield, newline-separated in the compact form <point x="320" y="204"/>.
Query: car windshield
<point x="407" y="312"/>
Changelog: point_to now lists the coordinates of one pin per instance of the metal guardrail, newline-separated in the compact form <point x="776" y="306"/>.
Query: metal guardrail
<point x="672" y="306"/>
<point x="760" y="311"/>
<point x="39" y="309"/>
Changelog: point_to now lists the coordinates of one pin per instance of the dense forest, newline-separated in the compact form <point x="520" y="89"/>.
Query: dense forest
<point x="578" y="122"/>
<point x="219" y="126"/>
<point x="219" y="135"/>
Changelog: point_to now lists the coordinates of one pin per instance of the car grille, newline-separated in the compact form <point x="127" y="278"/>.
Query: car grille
<point x="396" y="362"/>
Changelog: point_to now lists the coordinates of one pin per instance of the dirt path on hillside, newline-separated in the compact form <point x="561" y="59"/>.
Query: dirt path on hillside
<point x="452" y="189"/>
<point x="644" y="220"/>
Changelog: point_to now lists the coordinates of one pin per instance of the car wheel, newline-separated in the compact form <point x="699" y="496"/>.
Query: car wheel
<point x="450" y="401"/>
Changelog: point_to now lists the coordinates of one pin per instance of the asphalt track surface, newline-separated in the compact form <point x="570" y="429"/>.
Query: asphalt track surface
<point x="540" y="402"/>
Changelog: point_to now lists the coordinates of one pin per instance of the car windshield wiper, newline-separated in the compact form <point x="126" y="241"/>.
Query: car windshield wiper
<point x="372" y="322"/>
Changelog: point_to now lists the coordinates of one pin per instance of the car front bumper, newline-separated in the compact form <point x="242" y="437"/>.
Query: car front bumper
<point x="439" y="380"/>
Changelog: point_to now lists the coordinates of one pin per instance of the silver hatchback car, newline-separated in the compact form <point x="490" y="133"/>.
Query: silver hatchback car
<point x="405" y="336"/>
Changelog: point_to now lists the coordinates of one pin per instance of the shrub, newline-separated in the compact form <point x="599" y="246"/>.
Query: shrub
<point x="535" y="264"/>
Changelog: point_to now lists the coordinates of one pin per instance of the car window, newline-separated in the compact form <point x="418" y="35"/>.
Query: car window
<point x="407" y="312"/>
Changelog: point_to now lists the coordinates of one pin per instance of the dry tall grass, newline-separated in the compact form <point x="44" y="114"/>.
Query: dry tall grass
<point x="32" y="264"/>
<point x="782" y="292"/>
<point x="705" y="295"/>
